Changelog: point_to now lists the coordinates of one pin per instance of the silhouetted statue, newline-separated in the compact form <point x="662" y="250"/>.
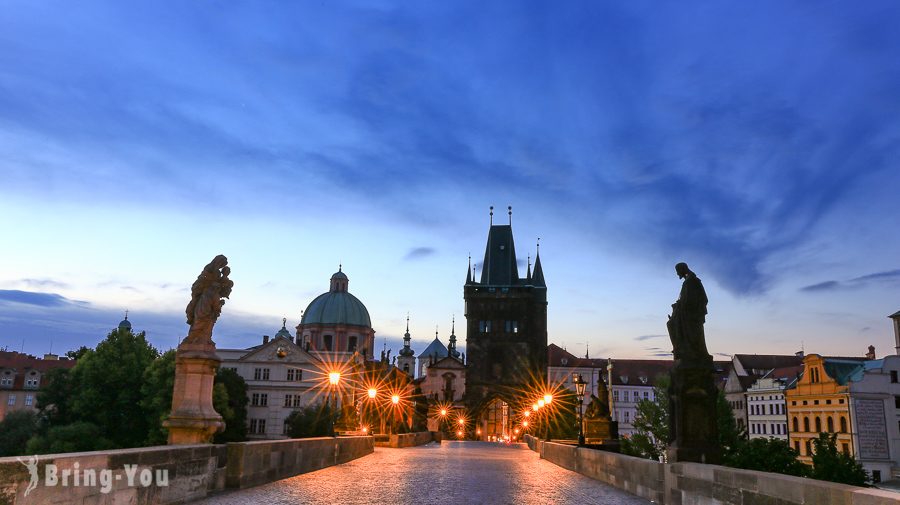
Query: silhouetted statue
<point x="688" y="316"/>
<point x="693" y="429"/>
<point x="207" y="297"/>
<point x="597" y="409"/>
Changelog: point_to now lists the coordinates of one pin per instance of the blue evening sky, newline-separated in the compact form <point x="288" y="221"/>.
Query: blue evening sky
<point x="757" y="141"/>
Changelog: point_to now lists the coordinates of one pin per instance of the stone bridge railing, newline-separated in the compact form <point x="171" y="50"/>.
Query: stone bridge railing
<point x="695" y="483"/>
<point x="167" y="474"/>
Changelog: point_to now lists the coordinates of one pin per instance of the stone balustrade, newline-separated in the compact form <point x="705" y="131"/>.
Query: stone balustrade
<point x="167" y="474"/>
<point x="695" y="483"/>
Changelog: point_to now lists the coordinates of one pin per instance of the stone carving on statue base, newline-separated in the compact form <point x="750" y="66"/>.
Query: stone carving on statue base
<point x="194" y="420"/>
<point x="693" y="428"/>
<point x="600" y="431"/>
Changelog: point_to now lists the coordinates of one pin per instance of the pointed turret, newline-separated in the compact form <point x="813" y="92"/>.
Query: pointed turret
<point x="528" y="275"/>
<point x="537" y="279"/>
<point x="406" y="351"/>
<point x="451" y="347"/>
<point x="469" y="271"/>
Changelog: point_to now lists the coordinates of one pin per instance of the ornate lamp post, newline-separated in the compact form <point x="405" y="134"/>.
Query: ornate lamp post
<point x="333" y="379"/>
<point x="579" y="393"/>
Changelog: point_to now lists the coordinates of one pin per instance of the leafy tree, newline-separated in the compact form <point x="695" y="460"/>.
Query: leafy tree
<point x="54" y="397"/>
<point x="835" y="466"/>
<point x="75" y="437"/>
<point x="107" y="390"/>
<point x="420" y="411"/>
<point x="230" y="401"/>
<point x="651" y="424"/>
<point x="156" y="392"/>
<point x="312" y="421"/>
<point x="78" y="353"/>
<point x="15" y="430"/>
<point x="767" y="455"/>
<point x="563" y="420"/>
<point x="731" y="438"/>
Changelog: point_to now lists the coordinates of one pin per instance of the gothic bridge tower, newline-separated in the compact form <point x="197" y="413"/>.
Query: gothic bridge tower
<point x="506" y="333"/>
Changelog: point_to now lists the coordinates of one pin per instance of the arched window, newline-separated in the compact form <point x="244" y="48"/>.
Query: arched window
<point x="830" y="424"/>
<point x="843" y="424"/>
<point x="351" y="345"/>
<point x="796" y="425"/>
<point x="327" y="342"/>
<point x="806" y="424"/>
<point x="818" y="424"/>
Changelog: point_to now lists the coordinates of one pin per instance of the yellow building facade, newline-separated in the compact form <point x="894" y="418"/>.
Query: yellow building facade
<point x="820" y="403"/>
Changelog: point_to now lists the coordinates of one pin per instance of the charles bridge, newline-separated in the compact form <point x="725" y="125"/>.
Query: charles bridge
<point x="412" y="469"/>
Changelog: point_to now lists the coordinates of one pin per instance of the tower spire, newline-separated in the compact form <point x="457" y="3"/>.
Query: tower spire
<point x="509" y="208"/>
<point x="528" y="275"/>
<point x="451" y="347"/>
<point x="492" y="215"/>
<point x="538" y="276"/>
<point x="469" y="270"/>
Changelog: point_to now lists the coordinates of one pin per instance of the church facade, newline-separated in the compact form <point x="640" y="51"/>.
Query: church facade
<point x="506" y="334"/>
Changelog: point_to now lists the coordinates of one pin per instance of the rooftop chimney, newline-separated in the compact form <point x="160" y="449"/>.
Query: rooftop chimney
<point x="52" y="357"/>
<point x="799" y="354"/>
<point x="265" y="339"/>
<point x="871" y="354"/>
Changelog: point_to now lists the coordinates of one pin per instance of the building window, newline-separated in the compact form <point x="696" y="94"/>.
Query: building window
<point x="876" y="476"/>
<point x="627" y="415"/>
<point x="258" y="426"/>
<point x="646" y="395"/>
<point x="846" y="448"/>
<point x="615" y="396"/>
<point x="818" y="425"/>
<point x="327" y="342"/>
<point x="6" y="381"/>
<point x="808" y="448"/>
<point x="12" y="400"/>
<point x="806" y="424"/>
<point x="797" y="446"/>
<point x="796" y="425"/>
<point x="843" y="424"/>
<point x="894" y="376"/>
<point x="28" y="400"/>
<point x="897" y="402"/>
<point x="624" y="396"/>
<point x="288" y="399"/>
<point x="259" y="400"/>
<point x="295" y="374"/>
<point x="484" y="326"/>
<point x="351" y="346"/>
<point x="830" y="424"/>
<point x="261" y="374"/>
<point x="511" y="326"/>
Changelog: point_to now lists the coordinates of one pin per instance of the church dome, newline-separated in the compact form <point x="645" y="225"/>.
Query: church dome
<point x="337" y="306"/>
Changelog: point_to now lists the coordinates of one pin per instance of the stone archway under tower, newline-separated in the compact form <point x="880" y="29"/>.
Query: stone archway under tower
<point x="495" y="420"/>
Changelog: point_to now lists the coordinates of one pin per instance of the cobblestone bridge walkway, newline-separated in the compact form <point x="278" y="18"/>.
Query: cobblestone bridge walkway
<point x="449" y="474"/>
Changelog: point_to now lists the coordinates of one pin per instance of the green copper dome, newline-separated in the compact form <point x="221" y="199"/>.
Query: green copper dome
<point x="337" y="306"/>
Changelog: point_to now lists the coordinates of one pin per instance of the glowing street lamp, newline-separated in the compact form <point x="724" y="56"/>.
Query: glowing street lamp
<point x="580" y="384"/>
<point x="373" y="393"/>
<point x="461" y="421"/>
<point x="548" y="398"/>
<point x="525" y="424"/>
<point x="334" y="378"/>
<point x="395" y="399"/>
<point x="443" y="412"/>
<point x="527" y="413"/>
<point x="541" y="403"/>
<point x="534" y="407"/>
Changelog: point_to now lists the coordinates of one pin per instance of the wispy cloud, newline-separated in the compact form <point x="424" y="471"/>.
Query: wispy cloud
<point x="44" y="283"/>
<point x="418" y="253"/>
<point x="890" y="276"/>
<point x="36" y="299"/>
<point x="648" y="337"/>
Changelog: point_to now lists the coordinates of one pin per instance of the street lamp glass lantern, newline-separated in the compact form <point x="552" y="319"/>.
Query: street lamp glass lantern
<point x="579" y="386"/>
<point x="395" y="399"/>
<point x="548" y="398"/>
<point x="541" y="403"/>
<point x="373" y="392"/>
<point x="334" y="378"/>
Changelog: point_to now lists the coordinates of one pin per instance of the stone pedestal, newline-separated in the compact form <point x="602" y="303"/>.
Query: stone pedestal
<point x="601" y="433"/>
<point x="693" y="427"/>
<point x="193" y="419"/>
